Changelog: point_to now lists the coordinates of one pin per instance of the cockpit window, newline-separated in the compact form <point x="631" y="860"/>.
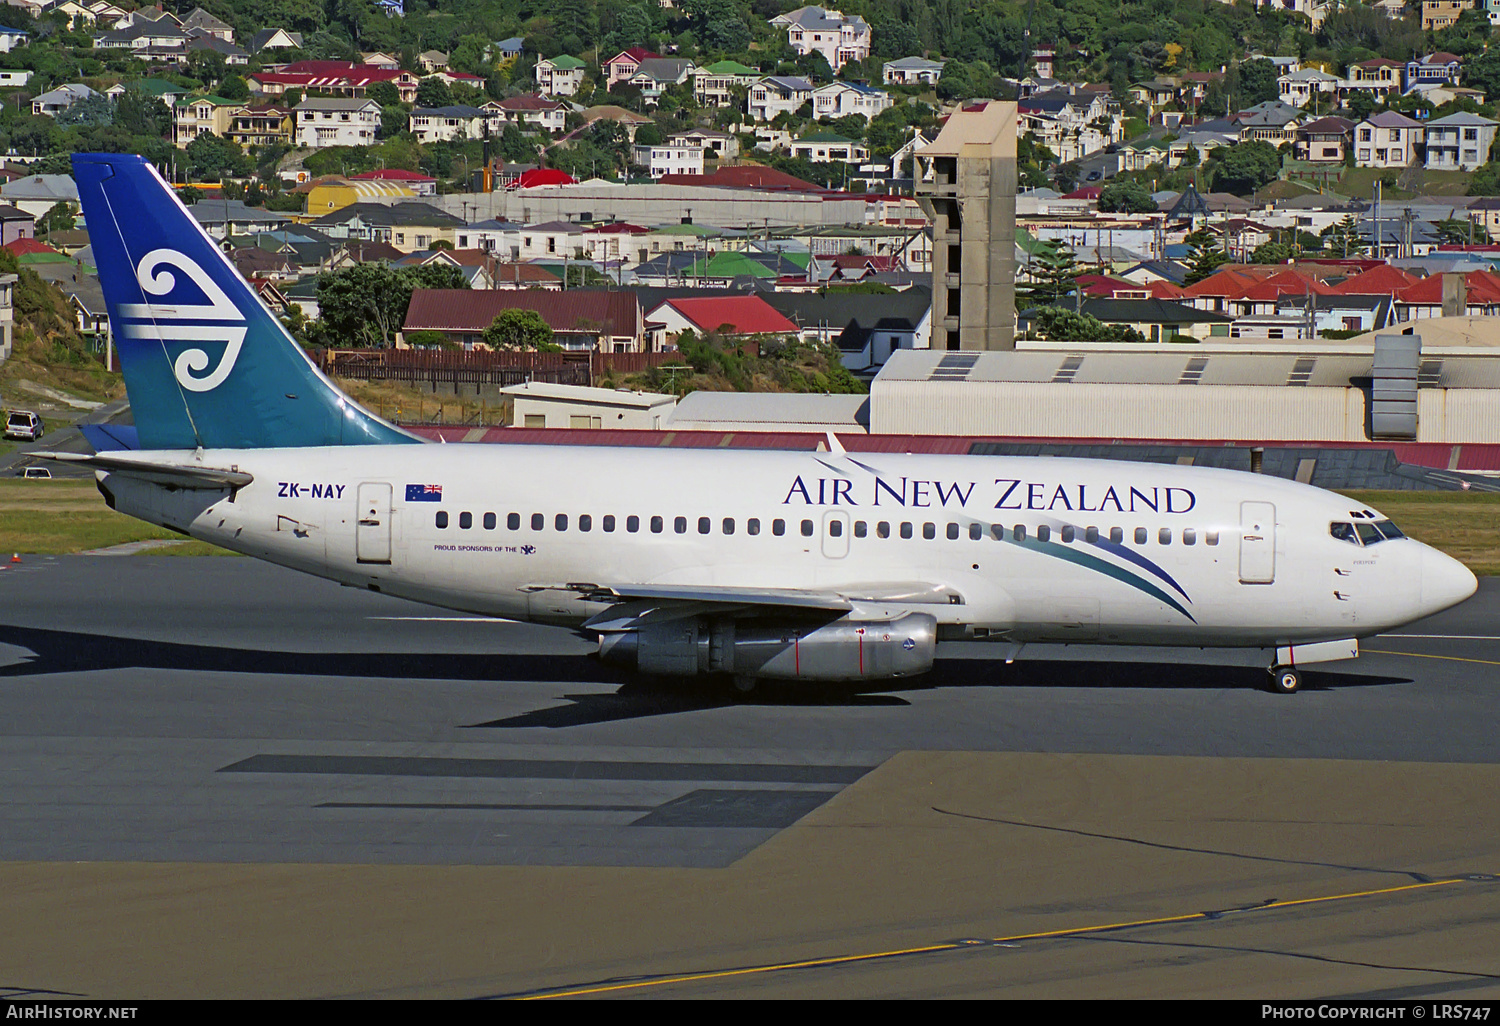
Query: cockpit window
<point x="1388" y="529"/>
<point x="1343" y="532"/>
<point x="1367" y="533"/>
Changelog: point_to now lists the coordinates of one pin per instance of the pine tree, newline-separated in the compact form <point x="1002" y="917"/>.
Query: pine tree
<point x="1054" y="274"/>
<point x="1205" y="256"/>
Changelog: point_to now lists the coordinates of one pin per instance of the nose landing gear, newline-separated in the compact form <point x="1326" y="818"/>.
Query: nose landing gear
<point x="1285" y="680"/>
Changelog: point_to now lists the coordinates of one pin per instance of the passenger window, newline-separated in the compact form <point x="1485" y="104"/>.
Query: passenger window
<point x="466" y="521"/>
<point x="1043" y="533"/>
<point x="513" y="521"/>
<point x="585" y="522"/>
<point x="1141" y="535"/>
<point x="835" y="528"/>
<point x="608" y="523"/>
<point x="952" y="532"/>
<point x="705" y="525"/>
<point x="679" y="524"/>
<point x="1210" y="537"/>
<point x="929" y="530"/>
<point x="997" y="532"/>
<point x="1091" y="534"/>
<point x="1189" y="536"/>
<point x="1116" y="535"/>
<point x="729" y="525"/>
<point x="976" y="532"/>
<point x="656" y="525"/>
<point x="538" y="522"/>
<point x="778" y="527"/>
<point x="560" y="522"/>
<point x="489" y="521"/>
<point x="807" y="528"/>
<point x="1067" y="535"/>
<point x="861" y="529"/>
<point x="632" y="523"/>
<point x="1164" y="536"/>
<point x="752" y="526"/>
<point x="906" y="529"/>
<point x="1367" y="533"/>
<point x="1343" y="532"/>
<point x="1018" y="533"/>
<point x="883" y="529"/>
<point x="442" y="518"/>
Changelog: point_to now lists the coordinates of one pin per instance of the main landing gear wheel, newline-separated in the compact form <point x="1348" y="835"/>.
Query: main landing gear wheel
<point x="1285" y="680"/>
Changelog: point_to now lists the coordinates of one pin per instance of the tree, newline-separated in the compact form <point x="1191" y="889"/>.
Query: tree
<point x="519" y="329"/>
<point x="140" y="114"/>
<point x="91" y="111"/>
<point x="211" y="158"/>
<point x="1256" y="83"/>
<point x="1126" y="198"/>
<point x="433" y="92"/>
<point x="1245" y="167"/>
<point x="58" y="218"/>
<point x="232" y="87"/>
<point x="1054" y="273"/>
<point x="365" y="305"/>
<point x="1342" y="239"/>
<point x="1059" y="324"/>
<point x="1205" y="256"/>
<point x="384" y="93"/>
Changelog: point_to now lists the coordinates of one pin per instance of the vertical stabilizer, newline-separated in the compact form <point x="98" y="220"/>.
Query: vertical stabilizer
<point x="206" y="363"/>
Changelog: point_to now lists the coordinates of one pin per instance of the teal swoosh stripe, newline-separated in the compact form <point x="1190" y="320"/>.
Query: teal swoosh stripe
<point x="1107" y="569"/>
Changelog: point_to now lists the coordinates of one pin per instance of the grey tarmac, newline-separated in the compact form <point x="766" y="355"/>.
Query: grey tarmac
<point x="219" y="778"/>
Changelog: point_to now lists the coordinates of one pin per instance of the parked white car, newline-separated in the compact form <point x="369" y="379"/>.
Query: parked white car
<point x="23" y="425"/>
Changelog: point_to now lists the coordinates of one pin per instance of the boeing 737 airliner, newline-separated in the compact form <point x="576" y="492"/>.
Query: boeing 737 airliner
<point x="817" y="566"/>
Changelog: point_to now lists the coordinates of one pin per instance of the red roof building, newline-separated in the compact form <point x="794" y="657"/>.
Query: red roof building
<point x="728" y="315"/>
<point x="542" y="176"/>
<point x="27" y="247"/>
<point x="1382" y="280"/>
<point x="581" y="319"/>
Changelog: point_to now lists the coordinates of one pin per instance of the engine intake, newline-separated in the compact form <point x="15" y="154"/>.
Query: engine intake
<point x="843" y="650"/>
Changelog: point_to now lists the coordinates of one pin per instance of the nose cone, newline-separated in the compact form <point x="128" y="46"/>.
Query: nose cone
<point x="1445" y="581"/>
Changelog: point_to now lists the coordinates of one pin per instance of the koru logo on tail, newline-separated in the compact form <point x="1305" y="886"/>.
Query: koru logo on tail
<point x="216" y="321"/>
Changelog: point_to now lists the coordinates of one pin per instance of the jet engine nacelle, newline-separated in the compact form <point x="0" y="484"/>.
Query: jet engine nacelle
<point x="843" y="650"/>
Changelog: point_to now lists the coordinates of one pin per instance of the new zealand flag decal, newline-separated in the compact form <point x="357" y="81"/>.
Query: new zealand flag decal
<point x="424" y="493"/>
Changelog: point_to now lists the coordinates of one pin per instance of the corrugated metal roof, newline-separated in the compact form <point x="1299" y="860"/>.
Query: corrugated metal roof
<point x="1163" y="368"/>
<point x="786" y="408"/>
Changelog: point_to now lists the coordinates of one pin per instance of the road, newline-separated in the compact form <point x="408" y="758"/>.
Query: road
<point x="293" y="789"/>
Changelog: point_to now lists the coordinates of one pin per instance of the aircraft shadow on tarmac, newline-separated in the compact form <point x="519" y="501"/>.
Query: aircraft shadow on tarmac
<point x="55" y="651"/>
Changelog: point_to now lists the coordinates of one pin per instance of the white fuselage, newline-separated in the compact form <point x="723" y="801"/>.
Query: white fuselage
<point x="1204" y="557"/>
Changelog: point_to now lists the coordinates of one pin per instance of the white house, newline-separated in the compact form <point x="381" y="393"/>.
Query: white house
<point x="670" y="160"/>
<point x="1459" y="142"/>
<point x="445" y="124"/>
<point x="11" y="38"/>
<point x="839" y="38"/>
<point x="331" y="121"/>
<point x="560" y="76"/>
<point x="14" y="79"/>
<point x="715" y="85"/>
<point x="841" y="99"/>
<point x="1387" y="139"/>
<point x="825" y="147"/>
<point x="912" y="71"/>
<point x="531" y="110"/>
<point x="1298" y="88"/>
<point x="57" y="100"/>
<point x="778" y="94"/>
<point x="714" y="144"/>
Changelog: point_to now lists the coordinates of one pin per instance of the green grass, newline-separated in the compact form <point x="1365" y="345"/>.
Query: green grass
<point x="58" y="517"/>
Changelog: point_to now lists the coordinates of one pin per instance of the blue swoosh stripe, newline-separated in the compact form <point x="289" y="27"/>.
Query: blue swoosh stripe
<point x="1140" y="561"/>
<point x="1107" y="569"/>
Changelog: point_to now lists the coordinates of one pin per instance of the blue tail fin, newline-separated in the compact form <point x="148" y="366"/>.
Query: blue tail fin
<point x="206" y="364"/>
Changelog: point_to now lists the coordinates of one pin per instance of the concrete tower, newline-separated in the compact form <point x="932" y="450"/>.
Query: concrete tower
<point x="966" y="182"/>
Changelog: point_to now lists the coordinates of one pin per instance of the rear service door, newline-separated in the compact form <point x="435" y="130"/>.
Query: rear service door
<point x="1257" y="543"/>
<point x="372" y="532"/>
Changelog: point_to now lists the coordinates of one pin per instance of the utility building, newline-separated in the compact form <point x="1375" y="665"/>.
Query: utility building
<point x="966" y="182"/>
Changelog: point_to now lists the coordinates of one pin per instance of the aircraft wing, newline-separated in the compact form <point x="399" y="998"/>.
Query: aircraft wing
<point x="183" y="475"/>
<point x="640" y="604"/>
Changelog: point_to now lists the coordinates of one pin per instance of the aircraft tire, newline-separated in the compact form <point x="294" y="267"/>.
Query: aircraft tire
<point x="1285" y="681"/>
<point x="744" y="683"/>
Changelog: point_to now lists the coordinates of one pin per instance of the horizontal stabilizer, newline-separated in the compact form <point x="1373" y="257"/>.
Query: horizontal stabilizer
<point x="180" y="474"/>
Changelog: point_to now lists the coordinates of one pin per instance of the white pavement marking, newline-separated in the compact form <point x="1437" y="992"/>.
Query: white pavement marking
<point x="131" y="548"/>
<point x="1448" y="637"/>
